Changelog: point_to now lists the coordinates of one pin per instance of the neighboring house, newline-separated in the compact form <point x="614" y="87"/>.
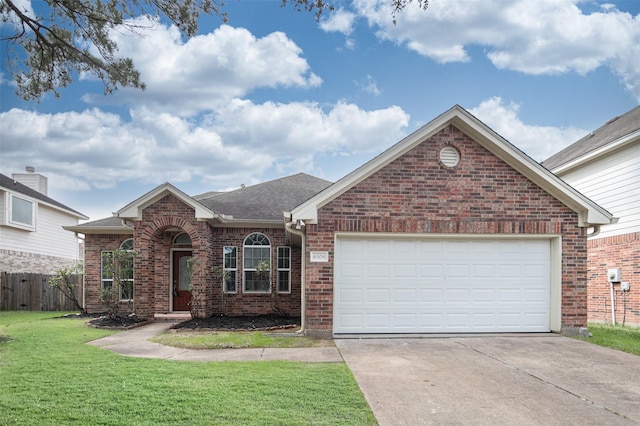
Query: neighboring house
<point x="32" y="238"/>
<point x="451" y="230"/>
<point x="605" y="166"/>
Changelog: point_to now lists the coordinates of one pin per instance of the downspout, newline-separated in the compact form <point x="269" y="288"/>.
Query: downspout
<point x="303" y="274"/>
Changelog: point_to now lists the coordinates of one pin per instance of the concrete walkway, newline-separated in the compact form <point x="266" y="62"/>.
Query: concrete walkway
<point x="135" y="343"/>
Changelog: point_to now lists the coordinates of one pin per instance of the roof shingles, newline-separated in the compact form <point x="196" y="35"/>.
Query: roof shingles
<point x="15" y="186"/>
<point x="613" y="130"/>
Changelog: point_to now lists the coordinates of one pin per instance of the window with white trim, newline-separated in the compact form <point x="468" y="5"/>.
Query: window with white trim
<point x="284" y="269"/>
<point x="230" y="269"/>
<point x="108" y="268"/>
<point x="256" y="262"/>
<point x="22" y="212"/>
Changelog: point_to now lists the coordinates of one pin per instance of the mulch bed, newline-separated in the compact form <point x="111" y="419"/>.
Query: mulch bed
<point x="250" y="323"/>
<point x="121" y="322"/>
<point x="218" y="322"/>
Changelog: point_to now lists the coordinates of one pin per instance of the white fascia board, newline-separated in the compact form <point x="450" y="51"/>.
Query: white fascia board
<point x="589" y="212"/>
<point x="308" y="211"/>
<point x="100" y="230"/>
<point x="134" y="209"/>
<point x="633" y="137"/>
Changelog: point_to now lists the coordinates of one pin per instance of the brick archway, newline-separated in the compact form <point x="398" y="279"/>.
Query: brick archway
<point x="153" y="236"/>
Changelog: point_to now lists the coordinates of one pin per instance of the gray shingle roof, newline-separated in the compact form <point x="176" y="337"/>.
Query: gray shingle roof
<point x="613" y="130"/>
<point x="265" y="201"/>
<point x="13" y="185"/>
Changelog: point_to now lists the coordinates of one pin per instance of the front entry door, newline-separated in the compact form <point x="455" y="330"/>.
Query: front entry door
<point x="181" y="293"/>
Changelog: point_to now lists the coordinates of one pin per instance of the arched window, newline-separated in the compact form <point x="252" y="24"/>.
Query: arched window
<point x="127" y="245"/>
<point x="182" y="239"/>
<point x="257" y="263"/>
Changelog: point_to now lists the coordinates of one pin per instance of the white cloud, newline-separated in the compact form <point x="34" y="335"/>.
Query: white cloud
<point x="539" y="142"/>
<point x="10" y="18"/>
<point x="369" y="85"/>
<point x="532" y="37"/>
<point x="340" y="21"/>
<point x="188" y="77"/>
<point x="239" y="143"/>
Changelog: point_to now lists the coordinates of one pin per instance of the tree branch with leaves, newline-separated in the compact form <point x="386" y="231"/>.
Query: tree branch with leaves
<point x="47" y="48"/>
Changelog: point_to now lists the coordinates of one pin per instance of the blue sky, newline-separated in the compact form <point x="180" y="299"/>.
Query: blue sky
<point x="273" y="93"/>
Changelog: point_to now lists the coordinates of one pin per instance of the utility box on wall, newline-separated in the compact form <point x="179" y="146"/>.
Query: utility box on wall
<point x="613" y="275"/>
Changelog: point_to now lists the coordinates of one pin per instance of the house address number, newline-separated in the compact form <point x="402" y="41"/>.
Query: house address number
<point x="319" y="256"/>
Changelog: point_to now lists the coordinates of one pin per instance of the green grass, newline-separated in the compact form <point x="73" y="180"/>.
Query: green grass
<point x="236" y="339"/>
<point x="49" y="376"/>
<point x="619" y="337"/>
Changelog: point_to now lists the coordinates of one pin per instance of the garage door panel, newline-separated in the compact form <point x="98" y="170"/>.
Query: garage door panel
<point x="430" y="296"/>
<point x="378" y="295"/>
<point x="419" y="286"/>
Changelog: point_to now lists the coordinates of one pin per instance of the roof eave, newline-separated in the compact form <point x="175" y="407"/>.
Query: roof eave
<point x="66" y="210"/>
<point x="134" y="209"/>
<point x="246" y="223"/>
<point x="589" y="212"/>
<point x="99" y="229"/>
<point x="308" y="211"/>
<point x="597" y="153"/>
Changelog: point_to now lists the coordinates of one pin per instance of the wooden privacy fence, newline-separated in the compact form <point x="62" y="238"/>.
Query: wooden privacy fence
<point x="31" y="292"/>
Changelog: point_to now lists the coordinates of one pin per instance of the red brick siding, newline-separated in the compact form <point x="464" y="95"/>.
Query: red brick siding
<point x="153" y="237"/>
<point x="621" y="251"/>
<point x="415" y="193"/>
<point x="93" y="247"/>
<point x="240" y="303"/>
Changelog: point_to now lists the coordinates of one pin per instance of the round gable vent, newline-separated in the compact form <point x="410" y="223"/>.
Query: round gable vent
<point x="449" y="156"/>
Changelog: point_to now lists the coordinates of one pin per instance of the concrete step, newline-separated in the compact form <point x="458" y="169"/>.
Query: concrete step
<point x="172" y="317"/>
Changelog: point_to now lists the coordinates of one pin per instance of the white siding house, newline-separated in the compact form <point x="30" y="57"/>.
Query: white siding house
<point x="605" y="166"/>
<point x="613" y="181"/>
<point x="32" y="238"/>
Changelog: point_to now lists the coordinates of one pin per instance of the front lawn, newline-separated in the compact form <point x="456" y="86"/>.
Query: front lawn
<point x="49" y="376"/>
<point x="619" y="337"/>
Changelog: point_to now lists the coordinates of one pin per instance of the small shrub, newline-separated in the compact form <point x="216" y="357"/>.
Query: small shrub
<point x="110" y="299"/>
<point x="64" y="280"/>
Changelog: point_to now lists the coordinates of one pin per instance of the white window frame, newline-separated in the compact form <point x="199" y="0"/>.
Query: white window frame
<point x="108" y="282"/>
<point x="248" y="269"/>
<point x="104" y="281"/>
<point x="229" y="270"/>
<point x="131" y="280"/>
<point x="286" y="269"/>
<point x="22" y="225"/>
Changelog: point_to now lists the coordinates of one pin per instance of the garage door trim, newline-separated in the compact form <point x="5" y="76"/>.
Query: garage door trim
<point x="555" y="273"/>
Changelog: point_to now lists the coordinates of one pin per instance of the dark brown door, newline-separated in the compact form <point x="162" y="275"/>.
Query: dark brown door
<point x="181" y="293"/>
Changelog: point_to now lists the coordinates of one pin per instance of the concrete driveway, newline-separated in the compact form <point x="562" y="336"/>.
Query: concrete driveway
<point x="541" y="380"/>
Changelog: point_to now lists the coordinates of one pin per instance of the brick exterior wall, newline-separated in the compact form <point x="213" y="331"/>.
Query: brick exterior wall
<point x="94" y="244"/>
<point x="621" y="251"/>
<point x="417" y="194"/>
<point x="12" y="261"/>
<point x="153" y="238"/>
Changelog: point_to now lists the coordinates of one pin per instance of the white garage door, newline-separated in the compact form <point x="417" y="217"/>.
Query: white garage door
<point x="441" y="286"/>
